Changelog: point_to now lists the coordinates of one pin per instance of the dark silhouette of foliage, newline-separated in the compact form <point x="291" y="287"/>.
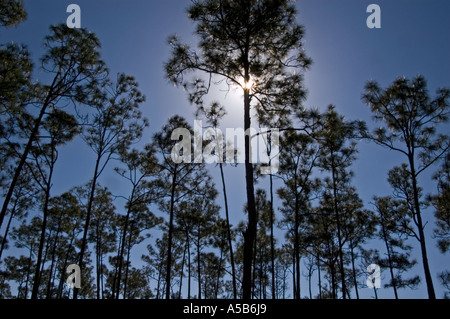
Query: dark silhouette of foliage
<point x="410" y="120"/>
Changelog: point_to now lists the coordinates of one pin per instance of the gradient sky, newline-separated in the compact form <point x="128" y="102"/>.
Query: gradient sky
<point x="413" y="39"/>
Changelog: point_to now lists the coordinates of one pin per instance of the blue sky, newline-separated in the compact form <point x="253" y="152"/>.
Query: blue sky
<point x="413" y="39"/>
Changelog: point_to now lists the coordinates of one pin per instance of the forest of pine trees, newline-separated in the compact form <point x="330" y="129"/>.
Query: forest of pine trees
<point x="309" y="226"/>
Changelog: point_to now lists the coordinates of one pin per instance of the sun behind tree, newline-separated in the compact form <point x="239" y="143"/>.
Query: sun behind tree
<point x="243" y="43"/>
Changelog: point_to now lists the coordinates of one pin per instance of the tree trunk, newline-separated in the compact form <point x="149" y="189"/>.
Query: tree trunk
<point x="114" y="288"/>
<point x="198" y="268"/>
<point x="250" y="232"/>
<point x="294" y="281"/>
<point x="122" y="248"/>
<point x="169" y="245"/>
<point x="355" y="281"/>
<point x="426" y="267"/>
<point x="88" y="219"/>
<point x="319" y="277"/>
<point x="182" y="272"/>
<point x="189" y="268"/>
<point x="102" y="280"/>
<point x="13" y="211"/>
<point x="63" y="270"/>
<point x="310" y="273"/>
<point x="28" y="272"/>
<point x="97" y="256"/>
<point x="158" y="285"/>
<point x="338" y="226"/>
<point x="48" y="99"/>
<point x="37" y="275"/>
<point x="296" y="241"/>
<point x="216" y="292"/>
<point x="272" y="241"/>
<point x="388" y="249"/>
<point x="230" y="240"/>
<point x="125" y="284"/>
<point x="52" y="265"/>
<point x="333" y="278"/>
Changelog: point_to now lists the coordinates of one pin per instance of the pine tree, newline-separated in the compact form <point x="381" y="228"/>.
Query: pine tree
<point x="23" y="200"/>
<point x="176" y="179"/>
<point x="441" y="202"/>
<point x="101" y="232"/>
<point x="262" y="262"/>
<point x="15" y="94"/>
<point x="410" y="121"/>
<point x="337" y="152"/>
<point x="12" y="13"/>
<point x="213" y="115"/>
<point x="73" y="62"/>
<point x="203" y="214"/>
<point x="299" y="157"/>
<point x="61" y="127"/>
<point x="391" y="216"/>
<point x="253" y="45"/>
<point x="21" y="269"/>
<point x="140" y="166"/>
<point x="64" y="221"/>
<point x="113" y="125"/>
<point x="359" y="227"/>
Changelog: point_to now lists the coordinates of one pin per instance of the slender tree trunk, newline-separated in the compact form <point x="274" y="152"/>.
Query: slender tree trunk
<point x="28" y="272"/>
<point x="182" y="272"/>
<point x="122" y="247"/>
<point x="338" y="226"/>
<point x="102" y="279"/>
<point x="310" y="273"/>
<point x="198" y="268"/>
<point x="250" y="232"/>
<point x="189" y="268"/>
<point x="294" y="281"/>
<point x="37" y="275"/>
<point x="27" y="149"/>
<point x="355" y="281"/>
<point x="169" y="245"/>
<point x="158" y="285"/>
<point x="88" y="219"/>
<point x="230" y="239"/>
<point x="115" y="290"/>
<point x="127" y="267"/>
<point x="216" y="292"/>
<point x="97" y="256"/>
<point x="4" y="241"/>
<point x="272" y="240"/>
<point x="52" y="265"/>
<point x="319" y="277"/>
<point x="389" y="254"/>
<point x="333" y="279"/>
<point x="63" y="270"/>
<point x="426" y="267"/>
<point x="262" y="284"/>
<point x="296" y="241"/>
<point x="46" y="252"/>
